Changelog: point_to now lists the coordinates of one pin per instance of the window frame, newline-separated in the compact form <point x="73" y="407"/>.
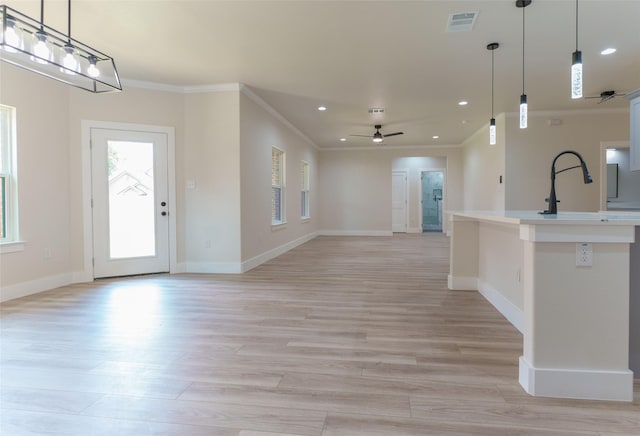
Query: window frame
<point x="9" y="241"/>
<point x="305" y="212"/>
<point x="281" y="187"/>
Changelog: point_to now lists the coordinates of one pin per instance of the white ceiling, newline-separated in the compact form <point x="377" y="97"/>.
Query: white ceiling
<point x="352" y="55"/>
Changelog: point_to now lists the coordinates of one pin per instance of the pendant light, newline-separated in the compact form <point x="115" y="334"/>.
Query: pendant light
<point x="523" y="97"/>
<point x="576" y="66"/>
<point x="492" y="122"/>
<point x="30" y="44"/>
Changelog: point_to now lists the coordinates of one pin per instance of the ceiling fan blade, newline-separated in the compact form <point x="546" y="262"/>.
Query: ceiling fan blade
<point x="393" y="134"/>
<point x="363" y="136"/>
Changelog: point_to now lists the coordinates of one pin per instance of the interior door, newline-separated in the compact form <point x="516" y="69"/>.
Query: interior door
<point x="399" y="202"/>
<point x="129" y="173"/>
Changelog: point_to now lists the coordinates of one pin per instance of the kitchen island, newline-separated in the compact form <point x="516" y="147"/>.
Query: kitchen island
<point x="564" y="281"/>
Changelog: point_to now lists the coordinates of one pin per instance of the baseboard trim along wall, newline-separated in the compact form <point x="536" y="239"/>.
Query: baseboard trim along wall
<point x="248" y="265"/>
<point x="513" y="313"/>
<point x="576" y="383"/>
<point x="458" y="283"/>
<point x="355" y="233"/>
<point x="31" y="287"/>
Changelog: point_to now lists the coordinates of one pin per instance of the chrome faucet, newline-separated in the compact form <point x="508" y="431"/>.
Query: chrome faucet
<point x="553" y="202"/>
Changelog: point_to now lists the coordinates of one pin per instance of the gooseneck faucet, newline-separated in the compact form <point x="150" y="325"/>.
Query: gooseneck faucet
<point x="553" y="202"/>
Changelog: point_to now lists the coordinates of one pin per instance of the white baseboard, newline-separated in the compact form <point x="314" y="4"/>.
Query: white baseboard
<point x="248" y="265"/>
<point x="576" y="383"/>
<point x="213" y="267"/>
<point x="241" y="267"/>
<point x="31" y="287"/>
<point x="414" y="230"/>
<point x="355" y="233"/>
<point x="462" y="283"/>
<point x="513" y="313"/>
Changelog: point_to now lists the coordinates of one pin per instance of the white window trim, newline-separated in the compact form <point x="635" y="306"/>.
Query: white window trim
<point x="306" y="187"/>
<point x="12" y="242"/>
<point x="283" y="185"/>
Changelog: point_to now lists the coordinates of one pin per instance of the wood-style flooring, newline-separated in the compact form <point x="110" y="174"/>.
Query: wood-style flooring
<point x="340" y="336"/>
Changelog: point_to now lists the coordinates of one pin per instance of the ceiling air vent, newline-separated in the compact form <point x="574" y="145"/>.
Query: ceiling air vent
<point x="376" y="110"/>
<point x="462" y="21"/>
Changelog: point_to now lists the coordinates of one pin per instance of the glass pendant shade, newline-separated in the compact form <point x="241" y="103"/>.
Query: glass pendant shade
<point x="41" y="50"/>
<point x="11" y="36"/>
<point x="523" y="111"/>
<point x="70" y="63"/>
<point x="34" y="46"/>
<point x="576" y="75"/>
<point x="492" y="131"/>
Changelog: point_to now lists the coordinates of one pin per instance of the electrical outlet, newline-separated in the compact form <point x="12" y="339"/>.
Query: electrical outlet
<point x="46" y="253"/>
<point x="584" y="254"/>
<point x="207" y="243"/>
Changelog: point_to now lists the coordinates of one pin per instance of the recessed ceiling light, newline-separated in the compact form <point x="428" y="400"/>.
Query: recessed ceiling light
<point x="322" y="108"/>
<point x="343" y="139"/>
<point x="435" y="137"/>
<point x="608" y="51"/>
<point x="463" y="102"/>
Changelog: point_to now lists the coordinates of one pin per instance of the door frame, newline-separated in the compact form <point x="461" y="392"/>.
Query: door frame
<point x="405" y="173"/>
<point x="87" y="274"/>
<point x="444" y="194"/>
<point x="603" y="168"/>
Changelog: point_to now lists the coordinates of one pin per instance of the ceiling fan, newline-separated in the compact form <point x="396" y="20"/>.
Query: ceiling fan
<point x="607" y="95"/>
<point x="379" y="137"/>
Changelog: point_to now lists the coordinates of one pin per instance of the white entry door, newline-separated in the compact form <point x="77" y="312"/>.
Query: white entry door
<point x="129" y="173"/>
<point x="399" y="202"/>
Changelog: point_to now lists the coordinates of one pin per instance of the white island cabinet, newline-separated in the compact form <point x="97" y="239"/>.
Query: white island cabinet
<point x="564" y="281"/>
<point x="634" y="99"/>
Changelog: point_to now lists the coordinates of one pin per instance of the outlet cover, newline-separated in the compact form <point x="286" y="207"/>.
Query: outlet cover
<point x="584" y="254"/>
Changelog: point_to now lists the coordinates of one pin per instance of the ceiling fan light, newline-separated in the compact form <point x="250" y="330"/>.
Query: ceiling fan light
<point x="377" y="138"/>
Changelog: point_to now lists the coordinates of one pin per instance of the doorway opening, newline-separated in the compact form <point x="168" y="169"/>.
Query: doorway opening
<point x="432" y="188"/>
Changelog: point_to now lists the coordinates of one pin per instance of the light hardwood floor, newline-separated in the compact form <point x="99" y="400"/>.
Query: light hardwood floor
<point x="340" y="336"/>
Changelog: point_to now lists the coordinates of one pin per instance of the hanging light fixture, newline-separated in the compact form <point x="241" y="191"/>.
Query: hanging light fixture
<point x="34" y="46"/>
<point x="523" y="97"/>
<point x="576" y="66"/>
<point x="492" y="122"/>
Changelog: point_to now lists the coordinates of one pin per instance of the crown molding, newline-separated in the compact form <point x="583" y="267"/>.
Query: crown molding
<point x="222" y="87"/>
<point x="246" y="90"/>
<point x="197" y="89"/>
<point x="554" y="113"/>
<point x="392" y="147"/>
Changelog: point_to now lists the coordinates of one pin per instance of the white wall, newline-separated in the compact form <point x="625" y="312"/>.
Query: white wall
<point x="44" y="172"/>
<point x="530" y="152"/>
<point x="628" y="181"/>
<point x="484" y="164"/>
<point x="260" y="130"/>
<point x="212" y="163"/>
<point x="355" y="194"/>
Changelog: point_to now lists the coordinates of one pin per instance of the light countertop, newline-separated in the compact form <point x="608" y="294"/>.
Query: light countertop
<point x="563" y="218"/>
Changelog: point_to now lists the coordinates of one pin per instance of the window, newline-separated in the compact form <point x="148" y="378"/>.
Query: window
<point x="304" y="200"/>
<point x="8" y="215"/>
<point x="277" y="186"/>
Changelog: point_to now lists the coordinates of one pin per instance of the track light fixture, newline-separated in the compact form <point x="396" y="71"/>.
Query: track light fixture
<point x="34" y="46"/>
<point x="576" y="66"/>
<point x="492" y="121"/>
<point x="523" y="97"/>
